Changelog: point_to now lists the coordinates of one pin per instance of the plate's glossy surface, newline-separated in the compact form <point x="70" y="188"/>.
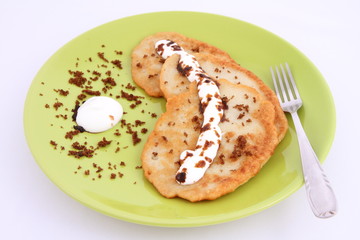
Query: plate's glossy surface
<point x="131" y="197"/>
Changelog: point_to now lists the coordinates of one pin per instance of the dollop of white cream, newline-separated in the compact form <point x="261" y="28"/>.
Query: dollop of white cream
<point x="195" y="163"/>
<point x="98" y="114"/>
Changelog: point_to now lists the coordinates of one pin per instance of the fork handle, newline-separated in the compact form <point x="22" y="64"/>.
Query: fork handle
<point x="320" y="194"/>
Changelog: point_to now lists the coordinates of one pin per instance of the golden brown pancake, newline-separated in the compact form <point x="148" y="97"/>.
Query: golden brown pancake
<point x="173" y="83"/>
<point x="248" y="141"/>
<point x="146" y="63"/>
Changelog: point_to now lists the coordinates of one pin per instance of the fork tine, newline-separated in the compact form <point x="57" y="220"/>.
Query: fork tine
<point x="285" y="98"/>
<point x="297" y="95"/>
<point x="290" y="94"/>
<point x="275" y="83"/>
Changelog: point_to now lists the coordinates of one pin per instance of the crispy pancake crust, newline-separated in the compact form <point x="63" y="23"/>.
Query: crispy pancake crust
<point x="146" y="63"/>
<point x="248" y="141"/>
<point x="173" y="83"/>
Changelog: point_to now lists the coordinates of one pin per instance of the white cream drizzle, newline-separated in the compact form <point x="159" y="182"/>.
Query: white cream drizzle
<point x="195" y="163"/>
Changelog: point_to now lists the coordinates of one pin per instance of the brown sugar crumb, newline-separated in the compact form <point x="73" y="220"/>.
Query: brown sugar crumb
<point x="108" y="73"/>
<point x="144" y="130"/>
<point x="47" y="106"/>
<point x="78" y="146"/>
<point x="78" y="79"/>
<point x="91" y="92"/>
<point x="117" y="133"/>
<point x="117" y="63"/>
<point x="138" y="167"/>
<point x="200" y="164"/>
<point x="87" y="172"/>
<point x="139" y="123"/>
<point x="112" y="176"/>
<point x="71" y="134"/>
<point x="153" y="115"/>
<point x="254" y="99"/>
<point x="62" y="92"/>
<point x="53" y="143"/>
<point x="117" y="150"/>
<point x="61" y="116"/>
<point x="82" y="151"/>
<point x="196" y="49"/>
<point x="110" y="166"/>
<point x="120" y="174"/>
<point x="101" y="55"/>
<point x="152" y="75"/>
<point x="81" y="96"/>
<point x="94" y="78"/>
<point x="122" y="164"/>
<point x="224" y="119"/>
<point x="96" y="73"/>
<point x="222" y="159"/>
<point x="225" y="100"/>
<point x="104" y="142"/>
<point x="248" y="120"/>
<point x="129" y="97"/>
<point x="119" y="52"/>
<point x="109" y="81"/>
<point x="242" y="107"/>
<point x="239" y="148"/>
<point x="130" y="87"/>
<point x="139" y="65"/>
<point x="206" y="127"/>
<point x="135" y="138"/>
<point x="105" y="89"/>
<point x="57" y="105"/>
<point x="197" y="122"/>
<point x="241" y="115"/>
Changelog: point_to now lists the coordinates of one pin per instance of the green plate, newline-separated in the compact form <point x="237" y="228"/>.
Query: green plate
<point x="131" y="197"/>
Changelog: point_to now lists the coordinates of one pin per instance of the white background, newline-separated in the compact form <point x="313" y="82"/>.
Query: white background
<point x="32" y="207"/>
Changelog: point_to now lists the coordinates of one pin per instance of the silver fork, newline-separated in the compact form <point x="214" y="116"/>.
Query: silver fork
<point x="320" y="194"/>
